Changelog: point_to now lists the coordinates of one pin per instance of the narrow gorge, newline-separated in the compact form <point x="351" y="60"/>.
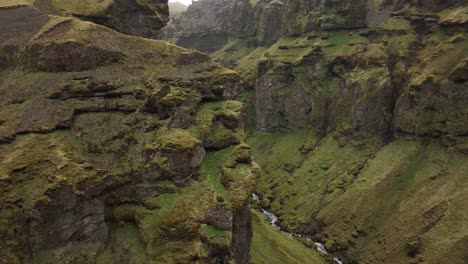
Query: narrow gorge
<point x="234" y="131"/>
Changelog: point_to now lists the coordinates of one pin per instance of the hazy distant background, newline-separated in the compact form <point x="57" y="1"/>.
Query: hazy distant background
<point x="185" y="2"/>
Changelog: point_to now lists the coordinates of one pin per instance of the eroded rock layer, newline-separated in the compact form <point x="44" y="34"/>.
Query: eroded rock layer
<point x="360" y="116"/>
<point x="114" y="148"/>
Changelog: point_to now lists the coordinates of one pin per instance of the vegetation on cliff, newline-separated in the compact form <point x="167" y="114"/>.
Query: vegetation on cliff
<point x="356" y="115"/>
<point x="104" y="140"/>
<point x="346" y="120"/>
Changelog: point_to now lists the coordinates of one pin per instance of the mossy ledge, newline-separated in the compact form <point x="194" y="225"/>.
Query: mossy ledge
<point x="103" y="139"/>
<point x="356" y="114"/>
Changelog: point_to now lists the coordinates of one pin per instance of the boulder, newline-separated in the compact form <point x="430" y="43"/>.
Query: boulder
<point x="180" y="154"/>
<point x="219" y="216"/>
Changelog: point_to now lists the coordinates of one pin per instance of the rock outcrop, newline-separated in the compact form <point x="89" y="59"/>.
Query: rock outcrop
<point x="106" y="140"/>
<point x="365" y="103"/>
<point x="207" y="24"/>
<point x="134" y="17"/>
<point x="176" y="9"/>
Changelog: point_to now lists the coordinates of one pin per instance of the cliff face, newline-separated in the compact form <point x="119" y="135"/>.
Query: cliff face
<point x="368" y="66"/>
<point x="364" y="102"/>
<point x="265" y="21"/>
<point x="176" y="8"/>
<point x="206" y="25"/>
<point x="115" y="148"/>
<point x="134" y="17"/>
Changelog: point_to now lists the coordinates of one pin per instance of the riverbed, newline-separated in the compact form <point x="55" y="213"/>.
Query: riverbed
<point x="273" y="219"/>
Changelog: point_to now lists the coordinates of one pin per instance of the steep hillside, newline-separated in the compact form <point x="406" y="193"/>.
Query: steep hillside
<point x="356" y="112"/>
<point x="116" y="148"/>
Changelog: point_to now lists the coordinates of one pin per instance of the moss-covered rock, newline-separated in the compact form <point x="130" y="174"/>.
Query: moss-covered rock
<point x="98" y="138"/>
<point x="134" y="17"/>
<point x="341" y="84"/>
<point x="239" y="176"/>
<point x="50" y="200"/>
<point x="178" y="154"/>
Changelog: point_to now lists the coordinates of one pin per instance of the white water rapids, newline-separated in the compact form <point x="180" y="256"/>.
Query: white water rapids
<point x="273" y="219"/>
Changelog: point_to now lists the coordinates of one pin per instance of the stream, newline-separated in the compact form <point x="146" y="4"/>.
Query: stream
<point x="273" y="219"/>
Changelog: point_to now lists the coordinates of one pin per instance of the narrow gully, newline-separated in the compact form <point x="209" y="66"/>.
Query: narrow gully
<point x="273" y="219"/>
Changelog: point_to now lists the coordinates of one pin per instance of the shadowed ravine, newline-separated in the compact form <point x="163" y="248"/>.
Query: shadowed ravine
<point x="273" y="219"/>
<point x="233" y="132"/>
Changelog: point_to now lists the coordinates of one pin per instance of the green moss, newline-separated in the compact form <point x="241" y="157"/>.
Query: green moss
<point x="221" y="137"/>
<point x="272" y="152"/>
<point x="410" y="169"/>
<point x="211" y="168"/>
<point x="70" y="137"/>
<point x="14" y="3"/>
<point x="216" y="236"/>
<point x="330" y="85"/>
<point x="307" y="181"/>
<point x="454" y="16"/>
<point x="81" y="253"/>
<point x="397" y="24"/>
<point x="150" y="221"/>
<point x="84" y="8"/>
<point x="176" y="140"/>
<point x="340" y="42"/>
<point x="204" y="123"/>
<point x="405" y="188"/>
<point x="165" y="184"/>
<point x="240" y="181"/>
<point x="315" y="181"/>
<point x="176" y="233"/>
<point x="204" y="118"/>
<point x="124" y="246"/>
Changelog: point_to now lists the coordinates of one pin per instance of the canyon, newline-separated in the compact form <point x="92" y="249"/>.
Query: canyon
<point x="236" y="131"/>
<point x="356" y="113"/>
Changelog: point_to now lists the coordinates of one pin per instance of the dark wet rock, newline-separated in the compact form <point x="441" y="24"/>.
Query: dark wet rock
<point x="242" y="233"/>
<point x="413" y="247"/>
<point x="219" y="216"/>
<point x="70" y="220"/>
<point x="460" y="72"/>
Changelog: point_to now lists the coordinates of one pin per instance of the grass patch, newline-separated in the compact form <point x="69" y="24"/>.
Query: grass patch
<point x="166" y="203"/>
<point x="272" y="152"/>
<point x="270" y="246"/>
<point x="210" y="166"/>
<point x="124" y="246"/>
<point x="216" y="236"/>
<point x="299" y="183"/>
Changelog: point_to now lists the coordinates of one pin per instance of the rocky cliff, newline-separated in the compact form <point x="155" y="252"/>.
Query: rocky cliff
<point x="176" y="8"/>
<point x="364" y="103"/>
<point x="116" y="148"/>
<point x="134" y="17"/>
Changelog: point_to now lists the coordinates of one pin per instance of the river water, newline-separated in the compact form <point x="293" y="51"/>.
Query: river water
<point x="273" y="219"/>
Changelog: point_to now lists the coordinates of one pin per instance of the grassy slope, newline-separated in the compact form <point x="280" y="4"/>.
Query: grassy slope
<point x="210" y="167"/>
<point x="269" y="246"/>
<point x="299" y="184"/>
<point x="247" y="58"/>
<point x="407" y="190"/>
